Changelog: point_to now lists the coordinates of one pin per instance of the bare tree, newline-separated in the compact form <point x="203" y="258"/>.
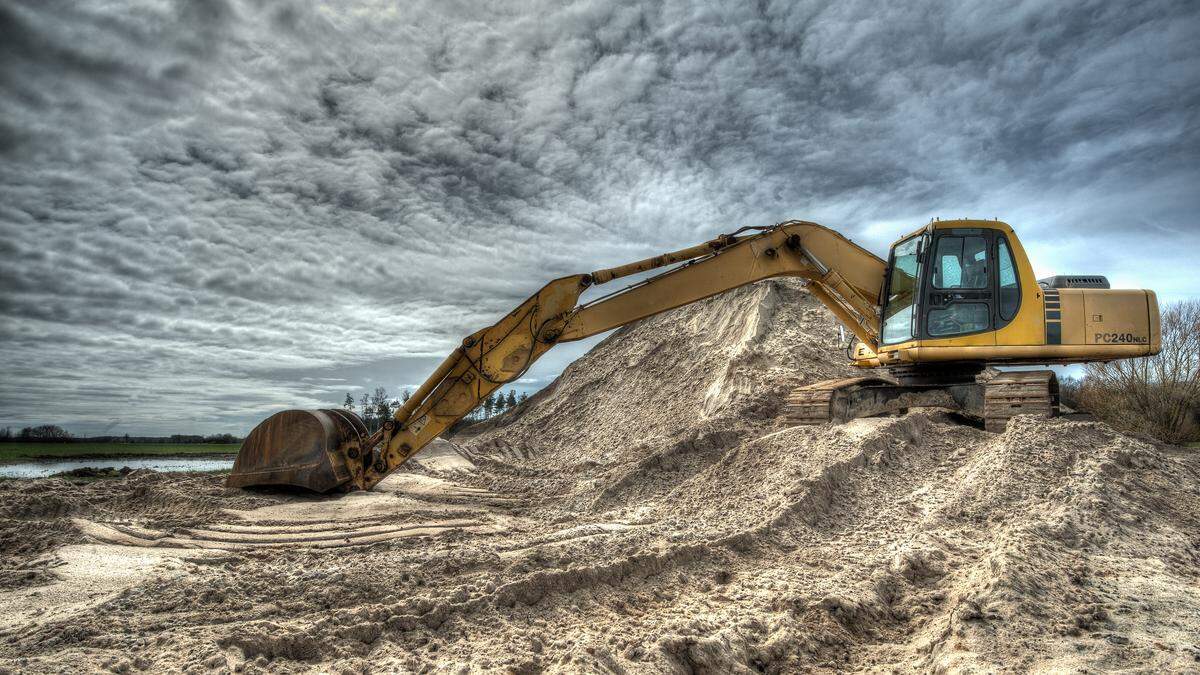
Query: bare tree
<point x="1157" y="395"/>
<point x="367" y="413"/>
<point x="348" y="404"/>
<point x="45" y="432"/>
<point x="380" y="408"/>
<point x="382" y="404"/>
<point x="1069" y="389"/>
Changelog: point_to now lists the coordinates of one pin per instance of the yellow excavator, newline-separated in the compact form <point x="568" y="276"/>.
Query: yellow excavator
<point x="952" y="298"/>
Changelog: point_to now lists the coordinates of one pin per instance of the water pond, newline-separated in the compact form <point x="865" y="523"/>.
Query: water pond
<point x="44" y="468"/>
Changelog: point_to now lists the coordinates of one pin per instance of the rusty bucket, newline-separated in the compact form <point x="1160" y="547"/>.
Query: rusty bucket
<point x="304" y="448"/>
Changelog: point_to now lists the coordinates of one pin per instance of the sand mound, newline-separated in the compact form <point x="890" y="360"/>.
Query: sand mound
<point x="645" y="514"/>
<point x="724" y="362"/>
<point x="660" y="399"/>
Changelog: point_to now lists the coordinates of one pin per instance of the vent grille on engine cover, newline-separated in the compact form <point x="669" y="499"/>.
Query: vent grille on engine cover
<point x="1074" y="281"/>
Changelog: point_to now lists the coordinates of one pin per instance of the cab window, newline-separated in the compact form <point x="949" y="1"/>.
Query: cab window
<point x="899" y="315"/>
<point x="1010" y="292"/>
<point x="958" y="318"/>
<point x="960" y="262"/>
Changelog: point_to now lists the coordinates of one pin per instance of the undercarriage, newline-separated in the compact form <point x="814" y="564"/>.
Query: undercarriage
<point x="987" y="397"/>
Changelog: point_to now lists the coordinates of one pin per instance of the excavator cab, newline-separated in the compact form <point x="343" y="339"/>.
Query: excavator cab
<point x="964" y="291"/>
<point x="948" y="283"/>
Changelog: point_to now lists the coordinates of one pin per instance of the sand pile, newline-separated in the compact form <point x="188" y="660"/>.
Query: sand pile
<point x="723" y="362"/>
<point x="665" y="393"/>
<point x="647" y="515"/>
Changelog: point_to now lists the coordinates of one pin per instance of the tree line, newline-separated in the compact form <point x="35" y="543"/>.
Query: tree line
<point x="378" y="406"/>
<point x="45" y="432"/>
<point x="52" y="433"/>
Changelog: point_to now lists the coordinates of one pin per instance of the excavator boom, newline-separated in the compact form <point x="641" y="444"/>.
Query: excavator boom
<point x="326" y="450"/>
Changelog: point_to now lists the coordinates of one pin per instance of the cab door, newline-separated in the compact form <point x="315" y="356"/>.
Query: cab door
<point x="959" y="298"/>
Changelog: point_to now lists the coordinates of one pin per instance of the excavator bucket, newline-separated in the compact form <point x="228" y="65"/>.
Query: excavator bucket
<point x="304" y="448"/>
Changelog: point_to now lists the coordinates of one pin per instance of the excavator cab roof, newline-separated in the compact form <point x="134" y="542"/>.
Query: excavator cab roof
<point x="957" y="223"/>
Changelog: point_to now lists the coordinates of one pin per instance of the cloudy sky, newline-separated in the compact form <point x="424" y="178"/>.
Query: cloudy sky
<point x="214" y="209"/>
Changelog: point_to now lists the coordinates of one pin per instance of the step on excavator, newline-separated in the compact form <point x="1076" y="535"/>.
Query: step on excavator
<point x="952" y="299"/>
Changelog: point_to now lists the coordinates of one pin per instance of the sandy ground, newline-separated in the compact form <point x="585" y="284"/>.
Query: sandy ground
<point x="644" y="514"/>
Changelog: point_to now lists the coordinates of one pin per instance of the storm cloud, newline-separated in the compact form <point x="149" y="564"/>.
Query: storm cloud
<point x="211" y="210"/>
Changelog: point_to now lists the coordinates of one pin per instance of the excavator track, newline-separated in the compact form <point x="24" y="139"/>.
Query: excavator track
<point x="991" y="401"/>
<point x="810" y="404"/>
<point x="1014" y="393"/>
<point x="827" y="401"/>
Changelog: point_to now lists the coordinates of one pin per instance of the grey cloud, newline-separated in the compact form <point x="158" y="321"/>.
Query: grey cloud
<point x="229" y="194"/>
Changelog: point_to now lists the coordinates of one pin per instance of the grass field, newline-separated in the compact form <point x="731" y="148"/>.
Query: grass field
<point x="10" y="451"/>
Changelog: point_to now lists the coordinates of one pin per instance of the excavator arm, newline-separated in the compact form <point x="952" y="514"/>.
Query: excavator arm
<point x="842" y="275"/>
